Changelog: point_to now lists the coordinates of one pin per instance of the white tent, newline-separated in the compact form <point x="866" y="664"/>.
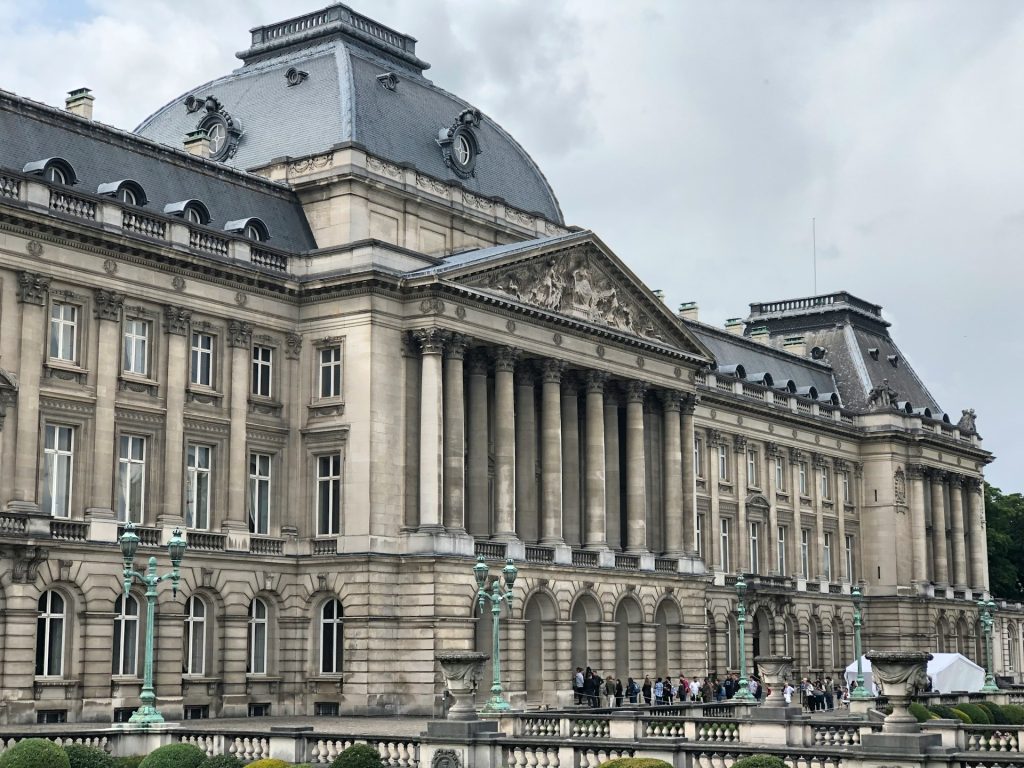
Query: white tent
<point x="948" y="672"/>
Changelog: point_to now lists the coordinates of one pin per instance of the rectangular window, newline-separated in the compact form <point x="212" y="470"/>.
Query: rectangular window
<point x="202" y="359"/>
<point x="259" y="710"/>
<point x="723" y="462"/>
<point x="197" y="491"/>
<point x="325" y="709"/>
<point x="724" y="545"/>
<point x="58" y="466"/>
<point x="849" y="559"/>
<point x="136" y="347"/>
<point x="330" y="372"/>
<point x="259" y="493"/>
<point x="698" y="457"/>
<point x="780" y="474"/>
<point x="328" y="494"/>
<point x="752" y="474"/>
<point x="803" y="477"/>
<point x="805" y="553"/>
<point x="782" y="550"/>
<point x="197" y="711"/>
<point x="755" y="550"/>
<point x="262" y="367"/>
<point x="700" y="535"/>
<point x="847" y="497"/>
<point x="827" y="557"/>
<point x="826" y="483"/>
<point x="64" y="332"/>
<point x="51" y="716"/>
<point x="131" y="478"/>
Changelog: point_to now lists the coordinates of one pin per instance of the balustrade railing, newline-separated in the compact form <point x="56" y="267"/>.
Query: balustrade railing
<point x="581" y="558"/>
<point x="10" y="187"/>
<point x="69" y="530"/>
<point x="539" y="554"/>
<point x="266" y="545"/>
<point x="144" y="225"/>
<point x="490" y="550"/>
<point x="627" y="562"/>
<point x="13" y="524"/>
<point x="148" y="537"/>
<point x="204" y="541"/>
<point x="206" y="241"/>
<point x="269" y="259"/>
<point x="62" y="202"/>
<point x="325" y="546"/>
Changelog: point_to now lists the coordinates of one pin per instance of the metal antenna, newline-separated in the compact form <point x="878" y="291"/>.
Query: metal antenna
<point x="814" y="255"/>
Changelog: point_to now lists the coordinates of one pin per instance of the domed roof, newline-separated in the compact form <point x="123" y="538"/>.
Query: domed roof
<point x="332" y="77"/>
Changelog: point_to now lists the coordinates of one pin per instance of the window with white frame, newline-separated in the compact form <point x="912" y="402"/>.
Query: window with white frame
<point x="126" y="636"/>
<point x="698" y="457"/>
<point x="849" y="559"/>
<point x="202" y="359"/>
<point x="802" y="472"/>
<point x="753" y="476"/>
<point x="847" y="495"/>
<point x="136" y="347"/>
<point x="257" y="656"/>
<point x="50" y="628"/>
<point x="780" y="474"/>
<point x="58" y="469"/>
<point x="330" y="371"/>
<point x="199" y="466"/>
<point x="826" y="483"/>
<point x="781" y="541"/>
<point x="699" y="533"/>
<point x="328" y="494"/>
<point x="194" y="660"/>
<point x="827" y="557"/>
<point x="724" y="545"/>
<point x="262" y="370"/>
<point x="64" y="332"/>
<point x="755" y="550"/>
<point x="332" y="637"/>
<point x="131" y="478"/>
<point x="259" y="493"/>
<point x="805" y="553"/>
<point x="723" y="462"/>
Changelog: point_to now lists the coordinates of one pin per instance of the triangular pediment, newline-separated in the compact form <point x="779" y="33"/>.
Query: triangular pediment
<point x="582" y="280"/>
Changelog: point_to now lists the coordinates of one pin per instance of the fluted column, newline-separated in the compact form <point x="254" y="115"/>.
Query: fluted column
<point x="771" y="453"/>
<point x="636" y="469"/>
<point x="240" y="343"/>
<point x="936" y="480"/>
<point x="612" y="474"/>
<point x="477" y="494"/>
<point x="176" y="325"/>
<point x="979" y="532"/>
<point x="431" y="344"/>
<point x="551" y="452"/>
<point x="107" y="308"/>
<point x="595" y="533"/>
<point x="504" y="444"/>
<point x="526" y="454"/>
<point x="672" y="475"/>
<point x="956" y="524"/>
<point x="571" y="479"/>
<point x="454" y="435"/>
<point x="917" y="523"/>
<point x="687" y="405"/>
<point x="741" y="545"/>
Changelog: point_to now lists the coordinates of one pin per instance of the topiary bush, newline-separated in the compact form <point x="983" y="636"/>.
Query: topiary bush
<point x="636" y="762"/>
<point x="129" y="761"/>
<point x="1014" y="713"/>
<point x="175" y="756"/>
<point x="223" y="761"/>
<point x="267" y="762"/>
<point x="995" y="713"/>
<point x="34" y="753"/>
<point x="978" y="715"/>
<point x="940" y="710"/>
<point x="921" y="712"/>
<point x="759" y="761"/>
<point x="81" y="756"/>
<point x="962" y="716"/>
<point x="358" y="756"/>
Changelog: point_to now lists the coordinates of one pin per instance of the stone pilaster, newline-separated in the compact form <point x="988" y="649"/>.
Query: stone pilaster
<point x="612" y="474"/>
<point x="504" y="444"/>
<point x="551" y="452"/>
<point x="107" y="306"/>
<point x="672" y="477"/>
<point x="840" y="508"/>
<point x="956" y="524"/>
<point x="820" y="464"/>
<point x="917" y="523"/>
<point x="936" y="480"/>
<point x="176" y="326"/>
<point x="293" y="517"/>
<point x="571" y="479"/>
<point x="454" y="435"/>
<point x="713" y="555"/>
<point x="595" y="532"/>
<point x="527" y="522"/>
<point x="796" y="456"/>
<point x="477" y="495"/>
<point x="239" y="339"/>
<point x="431" y="343"/>
<point x="772" y="451"/>
<point x="688" y="405"/>
<point x="979" y="533"/>
<point x="636" y="469"/>
<point x="741" y="537"/>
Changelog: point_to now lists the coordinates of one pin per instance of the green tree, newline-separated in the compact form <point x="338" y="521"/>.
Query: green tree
<point x="1005" y="521"/>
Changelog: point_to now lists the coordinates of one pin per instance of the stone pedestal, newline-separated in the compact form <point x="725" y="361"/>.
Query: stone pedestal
<point x="899" y="676"/>
<point x="775" y="673"/>
<point x="461" y="670"/>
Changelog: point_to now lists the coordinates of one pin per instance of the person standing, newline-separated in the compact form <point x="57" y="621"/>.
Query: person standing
<point x="577" y="685"/>
<point x="618" y="692"/>
<point x="646" y="690"/>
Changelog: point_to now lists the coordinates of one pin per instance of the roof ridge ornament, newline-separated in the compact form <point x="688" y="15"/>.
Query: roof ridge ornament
<point x="459" y="143"/>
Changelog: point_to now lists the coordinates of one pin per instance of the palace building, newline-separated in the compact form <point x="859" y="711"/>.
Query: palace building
<point x="327" y="318"/>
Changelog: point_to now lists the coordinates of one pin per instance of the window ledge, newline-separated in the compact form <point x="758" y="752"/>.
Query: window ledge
<point x="65" y="371"/>
<point x="131" y="382"/>
<point x="327" y="406"/>
<point x="55" y="688"/>
<point x="202" y="395"/>
<point x="265" y="406"/>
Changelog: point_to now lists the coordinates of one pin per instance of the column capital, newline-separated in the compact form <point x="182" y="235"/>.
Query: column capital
<point x="937" y="475"/>
<point x="772" y="450"/>
<point x="552" y="371"/>
<point x="688" y="403"/>
<point x="525" y="375"/>
<point x="292" y="345"/>
<point x="956" y="481"/>
<point x="840" y="465"/>
<point x="431" y="341"/>
<point x="671" y="400"/>
<point x="973" y="483"/>
<point x="478" y="362"/>
<point x="715" y="438"/>
<point x="571" y="383"/>
<point x="239" y="334"/>
<point x="635" y="391"/>
<point x="505" y="358"/>
<point x="820" y="460"/>
<point x="795" y="454"/>
<point x="916" y="471"/>
<point x="176" y="320"/>
<point x="456" y="347"/>
<point x="107" y="304"/>
<point x="595" y="381"/>
<point x="32" y="288"/>
<point x="858" y="468"/>
<point x="739" y="444"/>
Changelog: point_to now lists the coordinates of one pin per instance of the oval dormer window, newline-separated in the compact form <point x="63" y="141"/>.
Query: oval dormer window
<point x="463" y="151"/>
<point x="218" y="133"/>
<point x="252" y="232"/>
<point x="193" y="215"/>
<point x="55" y="175"/>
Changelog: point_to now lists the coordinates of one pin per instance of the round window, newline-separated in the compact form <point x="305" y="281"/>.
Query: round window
<point x="218" y="134"/>
<point x="463" y="151"/>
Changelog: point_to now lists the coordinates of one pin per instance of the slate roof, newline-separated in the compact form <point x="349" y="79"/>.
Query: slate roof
<point x="494" y="253"/>
<point x="342" y="101"/>
<point x="100" y="154"/>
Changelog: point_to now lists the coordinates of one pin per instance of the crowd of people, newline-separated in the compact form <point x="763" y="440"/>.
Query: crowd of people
<point x="591" y="689"/>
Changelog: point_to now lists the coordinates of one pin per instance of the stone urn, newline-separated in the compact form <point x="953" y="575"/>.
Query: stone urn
<point x="775" y="673"/>
<point x="461" y="670"/>
<point x="900" y="675"/>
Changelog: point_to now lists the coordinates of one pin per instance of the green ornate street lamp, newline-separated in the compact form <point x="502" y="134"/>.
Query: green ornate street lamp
<point x="860" y="692"/>
<point x="147" y="714"/>
<point x="985" y="608"/>
<point x="497" y="596"/>
<point x="743" y="694"/>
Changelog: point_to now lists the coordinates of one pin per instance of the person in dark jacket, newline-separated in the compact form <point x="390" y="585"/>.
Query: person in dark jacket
<point x="645" y="689"/>
<point x="632" y="691"/>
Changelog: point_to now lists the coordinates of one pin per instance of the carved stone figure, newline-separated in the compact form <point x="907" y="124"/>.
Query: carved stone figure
<point x="967" y="421"/>
<point x="900" y="486"/>
<point x="882" y="396"/>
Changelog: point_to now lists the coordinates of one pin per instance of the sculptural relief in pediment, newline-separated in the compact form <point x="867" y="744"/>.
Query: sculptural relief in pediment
<point x="573" y="283"/>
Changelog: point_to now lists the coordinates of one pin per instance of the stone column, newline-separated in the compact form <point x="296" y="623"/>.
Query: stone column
<point x="477" y="469"/>
<point x="742" y="534"/>
<point x="107" y="307"/>
<point x="431" y="342"/>
<point x="713" y="554"/>
<point x="917" y="523"/>
<point x="612" y="475"/>
<point x="979" y="545"/>
<point x="526" y="454"/>
<point x="956" y="520"/>
<point x="819" y="464"/>
<point x="454" y="436"/>
<point x="771" y="452"/>
<point x="176" y="325"/>
<point x="672" y="460"/>
<point x="840" y="508"/>
<point x="551" y="452"/>
<point x="240" y="342"/>
<point x="32" y="292"/>
<point x="571" y="523"/>
<point x="636" y="469"/>
<point x="595" y="533"/>
<point x="504" y="444"/>
<point x="936" y="479"/>
<point x="294" y="517"/>
<point x="795" y="457"/>
<point x="688" y="405"/>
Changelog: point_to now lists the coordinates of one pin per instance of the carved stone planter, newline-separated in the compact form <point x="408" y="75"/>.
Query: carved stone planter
<point x="900" y="675"/>
<point x="461" y="669"/>
<point x="775" y="673"/>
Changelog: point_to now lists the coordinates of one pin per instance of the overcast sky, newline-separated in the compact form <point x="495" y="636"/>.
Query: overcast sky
<point x="698" y="139"/>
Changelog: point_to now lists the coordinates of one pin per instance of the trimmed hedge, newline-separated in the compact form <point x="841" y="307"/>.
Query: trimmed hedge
<point x="81" y="756"/>
<point x="636" y="762"/>
<point x="1014" y="713"/>
<point x="978" y="715"/>
<point x="995" y="713"/>
<point x="759" y="761"/>
<point x="358" y="756"/>
<point x="267" y="762"/>
<point x="129" y="761"/>
<point x="34" y="753"/>
<point x="222" y="761"/>
<point x="950" y="713"/>
<point x="175" y="756"/>
<point x="921" y="712"/>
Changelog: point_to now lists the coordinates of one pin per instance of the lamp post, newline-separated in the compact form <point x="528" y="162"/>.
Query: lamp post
<point x="147" y="714"/>
<point x="497" y="596"/>
<point x="860" y="692"/>
<point x="743" y="694"/>
<point x="985" y="608"/>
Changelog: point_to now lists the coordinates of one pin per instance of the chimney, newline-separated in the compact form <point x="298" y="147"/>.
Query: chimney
<point x="79" y="102"/>
<point x="734" y="326"/>
<point x="760" y="334"/>
<point x="197" y="143"/>
<point x="688" y="310"/>
<point x="659" y="293"/>
<point x="795" y="345"/>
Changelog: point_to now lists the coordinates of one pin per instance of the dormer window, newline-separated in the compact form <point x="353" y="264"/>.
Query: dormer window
<point x="192" y="211"/>
<point x="125" y="191"/>
<point x="252" y="228"/>
<point x="54" y="170"/>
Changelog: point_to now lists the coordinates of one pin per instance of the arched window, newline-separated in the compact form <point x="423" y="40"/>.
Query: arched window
<point x="257" y="664"/>
<point x="55" y="175"/>
<point x="332" y="635"/>
<point x="50" y="635"/>
<point x="194" y="661"/>
<point x="55" y="170"/>
<point x="126" y="636"/>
